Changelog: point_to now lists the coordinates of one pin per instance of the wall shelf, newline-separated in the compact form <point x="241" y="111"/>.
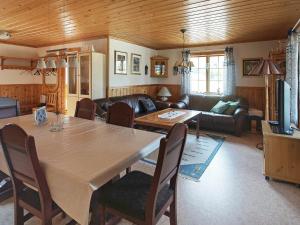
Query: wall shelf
<point x="15" y="63"/>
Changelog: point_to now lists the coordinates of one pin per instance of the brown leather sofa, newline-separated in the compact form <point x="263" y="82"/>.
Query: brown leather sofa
<point x="235" y="123"/>
<point x="134" y="101"/>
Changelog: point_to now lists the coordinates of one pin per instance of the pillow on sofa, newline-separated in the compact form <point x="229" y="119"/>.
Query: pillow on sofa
<point x="232" y="107"/>
<point x="220" y="107"/>
<point x="148" y="105"/>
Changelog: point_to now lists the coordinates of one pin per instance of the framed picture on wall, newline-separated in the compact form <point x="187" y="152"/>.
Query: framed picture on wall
<point x="121" y="62"/>
<point x="249" y="64"/>
<point x="136" y="64"/>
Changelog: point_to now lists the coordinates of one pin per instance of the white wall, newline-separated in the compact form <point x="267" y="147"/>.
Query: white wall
<point x="17" y="76"/>
<point x="116" y="80"/>
<point x="241" y="51"/>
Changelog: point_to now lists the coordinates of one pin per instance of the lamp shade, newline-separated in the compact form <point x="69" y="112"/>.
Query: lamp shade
<point x="41" y="64"/>
<point x="62" y="63"/>
<point x="266" y="67"/>
<point x="164" y="92"/>
<point x="51" y="64"/>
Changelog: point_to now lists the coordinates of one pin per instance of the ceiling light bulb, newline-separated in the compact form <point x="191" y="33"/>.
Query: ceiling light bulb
<point x="51" y="64"/>
<point x="4" y="35"/>
<point x="62" y="63"/>
<point x="41" y="64"/>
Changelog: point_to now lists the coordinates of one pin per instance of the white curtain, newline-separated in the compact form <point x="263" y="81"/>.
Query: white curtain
<point x="185" y="83"/>
<point x="229" y="82"/>
<point x="292" y="70"/>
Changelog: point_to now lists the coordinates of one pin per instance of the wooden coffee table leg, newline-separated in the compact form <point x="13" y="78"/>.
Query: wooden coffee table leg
<point x="197" y="127"/>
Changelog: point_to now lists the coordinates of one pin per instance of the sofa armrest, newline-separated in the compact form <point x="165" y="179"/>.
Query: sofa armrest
<point x="240" y="112"/>
<point x="182" y="103"/>
<point x="160" y="105"/>
<point x="240" y="117"/>
<point x="178" y="105"/>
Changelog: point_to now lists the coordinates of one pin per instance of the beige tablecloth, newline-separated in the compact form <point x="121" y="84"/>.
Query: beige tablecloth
<point x="83" y="157"/>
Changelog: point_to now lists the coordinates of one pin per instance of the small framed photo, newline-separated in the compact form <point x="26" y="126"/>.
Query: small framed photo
<point x="136" y="64"/>
<point x="40" y="115"/>
<point x="121" y="62"/>
<point x="249" y="64"/>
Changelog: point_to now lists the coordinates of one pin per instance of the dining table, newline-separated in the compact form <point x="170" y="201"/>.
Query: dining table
<point x="82" y="157"/>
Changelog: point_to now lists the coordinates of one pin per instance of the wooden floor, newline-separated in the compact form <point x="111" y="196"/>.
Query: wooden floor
<point x="232" y="191"/>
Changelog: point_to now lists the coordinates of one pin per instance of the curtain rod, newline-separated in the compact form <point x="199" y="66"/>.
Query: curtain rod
<point x="296" y="25"/>
<point x="211" y="50"/>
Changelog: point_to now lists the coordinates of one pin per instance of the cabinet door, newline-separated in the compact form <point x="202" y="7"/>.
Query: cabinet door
<point x="71" y="104"/>
<point x="85" y="75"/>
<point x="72" y="76"/>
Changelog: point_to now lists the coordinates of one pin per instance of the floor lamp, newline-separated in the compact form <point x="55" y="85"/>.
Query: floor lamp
<point x="267" y="68"/>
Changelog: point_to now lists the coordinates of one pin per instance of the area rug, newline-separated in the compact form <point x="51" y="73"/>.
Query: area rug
<point x="197" y="155"/>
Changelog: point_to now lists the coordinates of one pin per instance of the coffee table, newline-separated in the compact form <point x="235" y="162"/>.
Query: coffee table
<point x="154" y="119"/>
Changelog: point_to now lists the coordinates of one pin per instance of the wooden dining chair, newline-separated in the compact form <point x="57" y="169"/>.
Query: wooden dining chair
<point x="120" y="114"/>
<point x="30" y="187"/>
<point x="141" y="198"/>
<point x="51" y="102"/>
<point x="86" y="109"/>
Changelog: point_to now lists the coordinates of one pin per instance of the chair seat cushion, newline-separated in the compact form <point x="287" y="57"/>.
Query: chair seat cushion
<point x="129" y="195"/>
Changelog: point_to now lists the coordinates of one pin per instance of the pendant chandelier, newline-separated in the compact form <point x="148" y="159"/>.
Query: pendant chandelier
<point x="52" y="63"/>
<point x="62" y="62"/>
<point x="184" y="66"/>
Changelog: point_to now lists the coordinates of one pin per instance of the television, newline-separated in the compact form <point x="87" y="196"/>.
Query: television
<point x="283" y="103"/>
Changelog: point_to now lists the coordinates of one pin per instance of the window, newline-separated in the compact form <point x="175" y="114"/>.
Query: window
<point x="207" y="74"/>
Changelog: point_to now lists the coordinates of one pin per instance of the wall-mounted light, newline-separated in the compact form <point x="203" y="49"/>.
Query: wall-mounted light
<point x="5" y="35"/>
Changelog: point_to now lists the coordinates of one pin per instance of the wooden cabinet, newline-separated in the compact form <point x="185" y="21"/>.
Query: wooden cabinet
<point x="281" y="155"/>
<point x="87" y="79"/>
<point x="159" y="66"/>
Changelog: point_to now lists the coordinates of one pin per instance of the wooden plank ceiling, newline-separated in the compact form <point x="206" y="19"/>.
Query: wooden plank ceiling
<point x="151" y="23"/>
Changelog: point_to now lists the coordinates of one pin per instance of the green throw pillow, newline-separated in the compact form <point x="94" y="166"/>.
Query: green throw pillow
<point x="220" y="107"/>
<point x="232" y="107"/>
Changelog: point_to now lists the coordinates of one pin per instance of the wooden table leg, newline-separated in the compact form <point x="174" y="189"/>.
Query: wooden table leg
<point x="197" y="127"/>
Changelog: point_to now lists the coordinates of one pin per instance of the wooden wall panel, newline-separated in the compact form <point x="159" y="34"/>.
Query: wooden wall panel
<point x="254" y="95"/>
<point x="149" y="89"/>
<point x="27" y="94"/>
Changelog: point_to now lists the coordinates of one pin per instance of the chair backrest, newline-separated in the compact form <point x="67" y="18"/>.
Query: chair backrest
<point x="9" y="107"/>
<point x="22" y="160"/>
<point x="120" y="114"/>
<point x="167" y="167"/>
<point x="85" y="109"/>
<point x="51" y="99"/>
